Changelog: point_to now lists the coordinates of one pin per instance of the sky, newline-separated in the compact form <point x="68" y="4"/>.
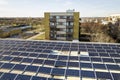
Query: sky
<point x="36" y="8"/>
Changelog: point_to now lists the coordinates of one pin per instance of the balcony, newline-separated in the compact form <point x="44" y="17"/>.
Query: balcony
<point x="61" y="20"/>
<point x="61" y="32"/>
<point x="61" y="38"/>
<point x="59" y="26"/>
<point x="70" y="19"/>
<point x="52" y="19"/>
<point x="69" y="26"/>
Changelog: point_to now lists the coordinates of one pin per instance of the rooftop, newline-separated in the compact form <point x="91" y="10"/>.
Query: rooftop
<point x="58" y="60"/>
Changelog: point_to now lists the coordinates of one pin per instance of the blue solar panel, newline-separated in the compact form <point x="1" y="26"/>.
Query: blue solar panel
<point x="52" y="56"/>
<point x="7" y="58"/>
<point x="49" y="62"/>
<point x="96" y="59"/>
<point x="108" y="60"/>
<point x="103" y="75"/>
<point x="24" y="54"/>
<point x="22" y="77"/>
<point x="19" y="67"/>
<point x="104" y="54"/>
<point x="43" y="55"/>
<point x="31" y="68"/>
<point x="117" y="60"/>
<point x="7" y="66"/>
<point x="73" y="58"/>
<point x="84" y="59"/>
<point x="116" y="76"/>
<point x="70" y="72"/>
<point x="8" y="76"/>
<point x="113" y="67"/>
<point x="38" y="78"/>
<point x="58" y="72"/>
<point x="60" y="63"/>
<point x="73" y="64"/>
<point x="85" y="65"/>
<point x="88" y="74"/>
<point x="63" y="58"/>
<point x="93" y="54"/>
<point x="17" y="59"/>
<point x="15" y="53"/>
<point x="99" y="66"/>
<point x="45" y="70"/>
<point x="33" y="55"/>
<point x="38" y="61"/>
<point x="27" y="60"/>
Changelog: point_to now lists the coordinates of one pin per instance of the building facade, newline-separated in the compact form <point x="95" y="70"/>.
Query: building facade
<point x="62" y="25"/>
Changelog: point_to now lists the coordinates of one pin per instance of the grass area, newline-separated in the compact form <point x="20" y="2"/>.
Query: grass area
<point x="39" y="37"/>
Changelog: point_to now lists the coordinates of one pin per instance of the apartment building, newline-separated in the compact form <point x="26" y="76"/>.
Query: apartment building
<point x="62" y="25"/>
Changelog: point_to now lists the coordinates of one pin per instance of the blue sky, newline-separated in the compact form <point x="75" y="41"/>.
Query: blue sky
<point x="36" y="8"/>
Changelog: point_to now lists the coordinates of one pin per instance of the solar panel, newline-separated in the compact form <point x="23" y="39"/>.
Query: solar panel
<point x="99" y="66"/>
<point x="22" y="77"/>
<point x="27" y="60"/>
<point x="87" y="74"/>
<point x="19" y="67"/>
<point x="31" y="68"/>
<point x="63" y="58"/>
<point x="73" y="64"/>
<point x="70" y="72"/>
<point x="45" y="70"/>
<point x="49" y="62"/>
<point x="116" y="76"/>
<point x="103" y="75"/>
<point x="43" y="60"/>
<point x="17" y="59"/>
<point x="58" y="72"/>
<point x="85" y="65"/>
<point x="108" y="60"/>
<point x="38" y="61"/>
<point x="84" y="59"/>
<point x="60" y="64"/>
<point x="7" y="66"/>
<point x="7" y="58"/>
<point x="8" y="76"/>
<point x="73" y="58"/>
<point x="96" y="59"/>
<point x="38" y="78"/>
<point x="52" y="56"/>
<point x="113" y="67"/>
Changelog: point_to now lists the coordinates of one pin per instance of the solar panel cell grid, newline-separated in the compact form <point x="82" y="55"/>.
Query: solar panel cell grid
<point x="41" y="57"/>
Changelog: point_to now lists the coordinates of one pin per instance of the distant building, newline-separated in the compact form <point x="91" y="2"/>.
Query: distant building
<point x="114" y="18"/>
<point x="62" y="25"/>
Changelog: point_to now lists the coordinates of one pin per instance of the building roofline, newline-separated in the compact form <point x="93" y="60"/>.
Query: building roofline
<point x="60" y="41"/>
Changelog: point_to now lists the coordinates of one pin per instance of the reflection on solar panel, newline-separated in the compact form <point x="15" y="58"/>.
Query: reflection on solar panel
<point x="43" y="60"/>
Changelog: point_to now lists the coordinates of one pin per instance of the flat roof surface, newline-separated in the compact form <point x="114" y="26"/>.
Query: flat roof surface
<point x="58" y="60"/>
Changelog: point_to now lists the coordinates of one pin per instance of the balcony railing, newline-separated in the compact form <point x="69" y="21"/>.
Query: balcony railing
<point x="53" y="19"/>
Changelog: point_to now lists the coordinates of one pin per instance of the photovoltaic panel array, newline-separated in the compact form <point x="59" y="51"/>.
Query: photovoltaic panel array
<point x="53" y="60"/>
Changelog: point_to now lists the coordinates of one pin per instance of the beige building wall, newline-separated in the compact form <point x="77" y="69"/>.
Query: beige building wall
<point x="76" y="26"/>
<point x="47" y="26"/>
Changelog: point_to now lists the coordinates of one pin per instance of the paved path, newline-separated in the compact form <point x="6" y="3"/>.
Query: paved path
<point x="36" y="36"/>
